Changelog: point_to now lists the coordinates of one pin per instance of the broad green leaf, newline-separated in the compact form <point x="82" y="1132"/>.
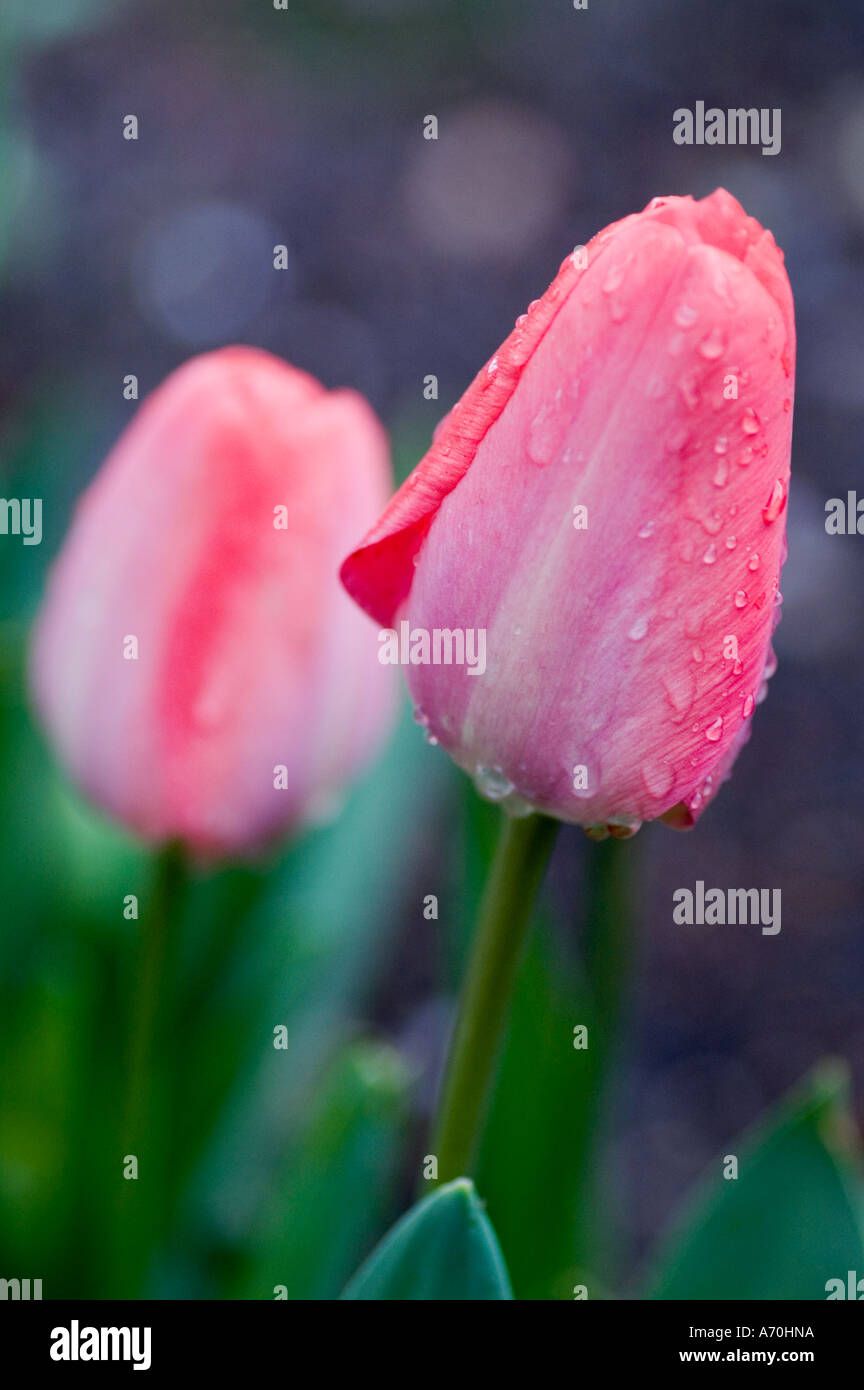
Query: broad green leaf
<point x="444" y="1249"/>
<point x="335" y="1189"/>
<point x="789" y="1222"/>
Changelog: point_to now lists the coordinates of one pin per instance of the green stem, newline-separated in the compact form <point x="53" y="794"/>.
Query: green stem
<point x="606" y="957"/>
<point x="143" y="1127"/>
<point x="520" y="859"/>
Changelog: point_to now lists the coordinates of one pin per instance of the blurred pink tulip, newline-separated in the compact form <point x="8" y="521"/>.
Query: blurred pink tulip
<point x="607" y="502"/>
<point x="195" y="661"/>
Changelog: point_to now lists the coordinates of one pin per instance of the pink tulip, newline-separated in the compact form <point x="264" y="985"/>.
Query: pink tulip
<point x="607" y="502"/>
<point x="195" y="660"/>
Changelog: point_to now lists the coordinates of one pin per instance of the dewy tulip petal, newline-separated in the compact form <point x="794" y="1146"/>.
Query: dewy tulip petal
<point x="211" y="537"/>
<point x="608" y="501"/>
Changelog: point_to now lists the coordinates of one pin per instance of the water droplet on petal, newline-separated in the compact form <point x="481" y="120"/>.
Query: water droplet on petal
<point x="697" y="653"/>
<point x="710" y="555"/>
<point x="638" y="630"/>
<point x="721" y="474"/>
<point x="676" y="440"/>
<point x="492" y="366"/>
<point x="714" y="731"/>
<point x="712" y="347"/>
<point x="690" y="393"/>
<point x="745" y="458"/>
<point x="685" y="314"/>
<point x="680" y="688"/>
<point x="659" y="778"/>
<point x="646" y="531"/>
<point x="492" y="783"/>
<point x="741" y="599"/>
<point x="775" y="504"/>
<point x="753" y="562"/>
<point x="747" y="707"/>
<point x="731" y="542"/>
<point x="721" y="445"/>
<point x="750" y="421"/>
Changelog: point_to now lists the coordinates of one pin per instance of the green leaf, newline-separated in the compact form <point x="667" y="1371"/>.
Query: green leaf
<point x="444" y="1249"/>
<point x="789" y="1222"/>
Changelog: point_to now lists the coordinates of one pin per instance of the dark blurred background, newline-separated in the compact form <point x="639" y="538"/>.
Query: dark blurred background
<point x="408" y="257"/>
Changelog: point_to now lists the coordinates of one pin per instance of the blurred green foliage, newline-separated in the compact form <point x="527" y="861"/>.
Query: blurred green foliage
<point x="791" y="1219"/>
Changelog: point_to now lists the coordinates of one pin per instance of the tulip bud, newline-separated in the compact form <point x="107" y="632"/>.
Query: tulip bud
<point x="195" y="660"/>
<point x="607" y="502"/>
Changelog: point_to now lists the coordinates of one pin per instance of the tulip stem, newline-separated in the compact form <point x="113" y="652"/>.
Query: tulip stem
<point x="517" y="869"/>
<point x="606" y="958"/>
<point x="152" y="991"/>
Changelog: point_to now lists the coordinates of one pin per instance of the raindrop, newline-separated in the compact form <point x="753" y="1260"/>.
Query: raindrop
<point x="492" y="366"/>
<point x="753" y="562"/>
<point x="721" y="445"/>
<point x="710" y="555"/>
<point x="685" y="314"/>
<point x="712" y="347"/>
<point x="659" y="778"/>
<point x="722" y="474"/>
<point x="646" y="531"/>
<point x="747" y="707"/>
<point x="676" y="441"/>
<point x="750" y="421"/>
<point x="697" y="653"/>
<point x="775" y="504"/>
<point x="680" y="688"/>
<point x="492" y="783"/>
<point x="545" y="433"/>
<point x="638" y="630"/>
<point x="745" y="458"/>
<point x="715" y="730"/>
<point x="741" y="599"/>
<point x="731" y="542"/>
